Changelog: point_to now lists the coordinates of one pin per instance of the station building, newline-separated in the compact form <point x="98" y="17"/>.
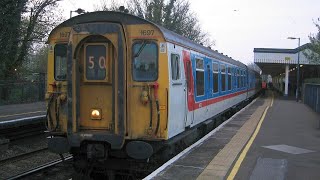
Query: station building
<point x="281" y="65"/>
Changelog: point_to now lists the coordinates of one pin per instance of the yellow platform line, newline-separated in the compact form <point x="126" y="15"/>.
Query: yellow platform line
<point x="236" y="167"/>
<point x="21" y="114"/>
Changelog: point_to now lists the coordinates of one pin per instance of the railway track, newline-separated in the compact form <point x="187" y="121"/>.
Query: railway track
<point x="26" y="151"/>
<point x="25" y="164"/>
<point x="22" y="156"/>
<point x="41" y="168"/>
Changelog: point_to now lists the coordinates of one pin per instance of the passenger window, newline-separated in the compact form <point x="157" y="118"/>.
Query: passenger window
<point x="199" y="77"/>
<point x="145" y="61"/>
<point x="60" y="62"/>
<point x="175" y="67"/>
<point x="223" y="77"/>
<point x="229" y="79"/>
<point x="244" y="79"/>
<point x="234" y="78"/>
<point x="239" y="78"/>
<point x="215" y="77"/>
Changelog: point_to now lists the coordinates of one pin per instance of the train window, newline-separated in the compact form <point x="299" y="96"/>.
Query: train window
<point x="244" y="79"/>
<point x="242" y="82"/>
<point x="145" y="61"/>
<point x="215" y="77"/>
<point x="199" y="77"/>
<point x="238" y="77"/>
<point x="175" y="67"/>
<point x="96" y="61"/>
<point x="229" y="79"/>
<point x="234" y="78"/>
<point x="60" y="62"/>
<point x="223" y="77"/>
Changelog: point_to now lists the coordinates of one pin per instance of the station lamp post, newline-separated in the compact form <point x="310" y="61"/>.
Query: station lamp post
<point x="298" y="68"/>
<point x="79" y="11"/>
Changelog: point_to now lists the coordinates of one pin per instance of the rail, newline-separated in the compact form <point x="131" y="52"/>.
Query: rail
<point x="312" y="97"/>
<point x="42" y="167"/>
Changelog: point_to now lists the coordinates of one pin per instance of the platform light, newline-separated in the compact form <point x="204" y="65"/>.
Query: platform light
<point x="298" y="67"/>
<point x="301" y="65"/>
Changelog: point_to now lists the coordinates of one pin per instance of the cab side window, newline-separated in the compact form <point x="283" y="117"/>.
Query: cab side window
<point x="60" y="62"/>
<point x="145" y="61"/>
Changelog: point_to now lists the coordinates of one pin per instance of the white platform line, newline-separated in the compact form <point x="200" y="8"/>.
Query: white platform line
<point x="22" y="119"/>
<point x="199" y="142"/>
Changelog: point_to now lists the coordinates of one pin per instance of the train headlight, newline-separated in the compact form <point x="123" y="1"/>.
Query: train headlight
<point x="96" y="114"/>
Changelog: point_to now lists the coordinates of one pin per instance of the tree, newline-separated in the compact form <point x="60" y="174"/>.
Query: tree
<point x="25" y="24"/>
<point x="254" y="67"/>
<point x="10" y="23"/>
<point x="36" y="62"/>
<point x="37" y="26"/>
<point x="313" y="51"/>
<point x="174" y="15"/>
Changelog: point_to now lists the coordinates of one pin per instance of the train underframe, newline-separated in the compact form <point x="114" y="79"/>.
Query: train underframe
<point x="95" y="159"/>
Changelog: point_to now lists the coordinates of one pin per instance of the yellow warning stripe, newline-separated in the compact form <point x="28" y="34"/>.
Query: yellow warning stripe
<point x="243" y="154"/>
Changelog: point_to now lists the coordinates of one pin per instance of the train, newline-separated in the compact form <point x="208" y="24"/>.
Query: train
<point x="120" y="87"/>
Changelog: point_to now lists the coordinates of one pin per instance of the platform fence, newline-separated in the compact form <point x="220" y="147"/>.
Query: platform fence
<point x="28" y="89"/>
<point x="312" y="96"/>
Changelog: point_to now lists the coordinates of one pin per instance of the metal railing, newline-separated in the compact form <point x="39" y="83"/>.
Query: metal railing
<point x="20" y="91"/>
<point x="311" y="96"/>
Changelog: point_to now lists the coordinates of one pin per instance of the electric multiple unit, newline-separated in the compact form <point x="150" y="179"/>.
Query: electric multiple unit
<point x="119" y="86"/>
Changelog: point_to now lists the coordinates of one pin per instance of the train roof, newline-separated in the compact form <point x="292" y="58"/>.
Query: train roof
<point x="128" y="19"/>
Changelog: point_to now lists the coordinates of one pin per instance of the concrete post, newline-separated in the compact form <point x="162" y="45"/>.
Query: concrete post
<point x="286" y="81"/>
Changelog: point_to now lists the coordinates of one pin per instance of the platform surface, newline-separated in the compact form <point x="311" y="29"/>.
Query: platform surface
<point x="287" y="145"/>
<point x="17" y="111"/>
<point x="273" y="138"/>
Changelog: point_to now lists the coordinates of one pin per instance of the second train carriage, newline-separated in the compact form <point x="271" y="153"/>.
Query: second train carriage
<point x="118" y="85"/>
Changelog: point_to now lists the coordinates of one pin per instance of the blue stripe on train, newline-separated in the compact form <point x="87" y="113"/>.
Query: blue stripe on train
<point x="207" y="67"/>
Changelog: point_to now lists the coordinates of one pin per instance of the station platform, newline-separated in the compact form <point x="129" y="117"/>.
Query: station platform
<point x="272" y="138"/>
<point x="18" y="111"/>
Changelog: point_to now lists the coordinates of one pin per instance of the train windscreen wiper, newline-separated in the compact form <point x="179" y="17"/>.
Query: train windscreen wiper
<point x="140" y="49"/>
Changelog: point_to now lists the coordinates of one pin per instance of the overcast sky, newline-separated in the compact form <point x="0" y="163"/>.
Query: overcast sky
<point x="238" y="26"/>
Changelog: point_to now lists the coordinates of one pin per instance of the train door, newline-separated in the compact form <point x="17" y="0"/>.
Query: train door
<point x="189" y="89"/>
<point x="177" y="99"/>
<point x="208" y="79"/>
<point x="96" y="95"/>
<point x="98" y="78"/>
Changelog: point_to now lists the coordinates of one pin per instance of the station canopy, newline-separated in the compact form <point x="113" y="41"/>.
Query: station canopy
<point x="273" y="61"/>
